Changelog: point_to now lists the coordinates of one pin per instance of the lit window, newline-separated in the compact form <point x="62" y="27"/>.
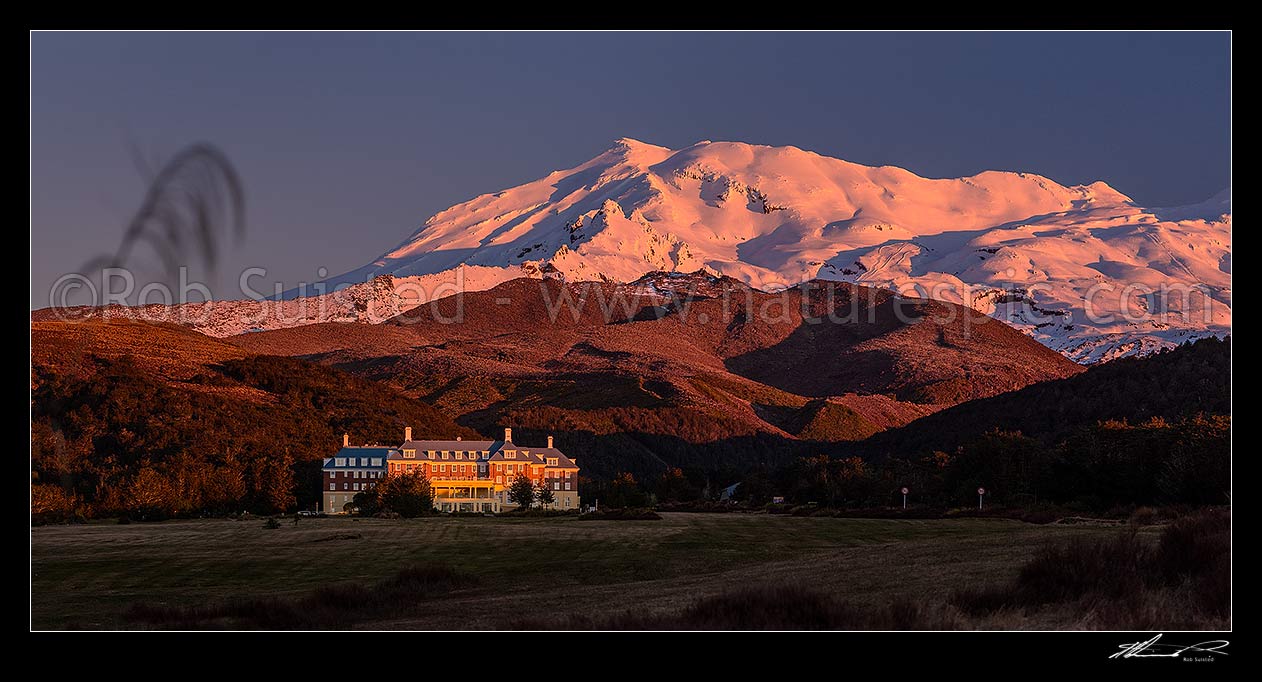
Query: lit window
<point x="409" y="454"/>
<point x="567" y="485"/>
<point x="346" y="486"/>
<point x="340" y="461"/>
<point x="332" y="486"/>
<point x="510" y="455"/>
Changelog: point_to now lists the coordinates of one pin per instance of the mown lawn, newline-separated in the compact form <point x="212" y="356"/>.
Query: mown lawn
<point x="529" y="569"/>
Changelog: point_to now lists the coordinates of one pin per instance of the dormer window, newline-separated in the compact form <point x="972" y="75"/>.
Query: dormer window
<point x="510" y="454"/>
<point x="552" y="461"/>
<point x="339" y="461"/>
<point x="444" y="454"/>
<point x="409" y="454"/>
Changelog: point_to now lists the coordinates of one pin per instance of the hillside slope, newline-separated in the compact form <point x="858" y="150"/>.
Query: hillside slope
<point x="673" y="370"/>
<point x="160" y="420"/>
<point x="1183" y="382"/>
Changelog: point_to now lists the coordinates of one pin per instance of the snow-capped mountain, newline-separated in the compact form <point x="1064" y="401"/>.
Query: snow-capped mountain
<point x="1082" y="269"/>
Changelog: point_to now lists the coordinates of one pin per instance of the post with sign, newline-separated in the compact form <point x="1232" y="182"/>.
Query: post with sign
<point x="905" y="497"/>
<point x="981" y="492"/>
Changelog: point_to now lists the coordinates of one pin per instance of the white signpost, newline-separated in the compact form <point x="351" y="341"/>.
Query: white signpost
<point x="981" y="492"/>
<point x="905" y="491"/>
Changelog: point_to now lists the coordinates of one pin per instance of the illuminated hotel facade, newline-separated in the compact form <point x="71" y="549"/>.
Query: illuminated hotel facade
<point x="465" y="475"/>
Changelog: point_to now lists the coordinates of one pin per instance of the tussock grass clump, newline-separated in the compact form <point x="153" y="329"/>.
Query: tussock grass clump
<point x="627" y="514"/>
<point x="1125" y="581"/>
<point x="768" y="607"/>
<point x="328" y="607"/>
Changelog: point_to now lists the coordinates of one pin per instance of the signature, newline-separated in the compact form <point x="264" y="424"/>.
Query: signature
<point x="1153" y="649"/>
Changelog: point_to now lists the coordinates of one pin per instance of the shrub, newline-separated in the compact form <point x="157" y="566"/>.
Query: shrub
<point x="1113" y="567"/>
<point x="1125" y="582"/>
<point x="1144" y="516"/>
<point x="272" y="524"/>
<point x="622" y="514"/>
<point x="767" y="607"/>
<point x="331" y="606"/>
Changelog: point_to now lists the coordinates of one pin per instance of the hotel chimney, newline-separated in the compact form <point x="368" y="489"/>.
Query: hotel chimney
<point x="407" y="434"/>
<point x="508" y="435"/>
<point x="549" y="441"/>
<point x="346" y="440"/>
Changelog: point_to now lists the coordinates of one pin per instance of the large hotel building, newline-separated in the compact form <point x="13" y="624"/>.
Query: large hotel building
<point x="466" y="475"/>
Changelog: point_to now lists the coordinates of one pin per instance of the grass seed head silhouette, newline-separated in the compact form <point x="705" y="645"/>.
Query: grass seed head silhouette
<point x="191" y="200"/>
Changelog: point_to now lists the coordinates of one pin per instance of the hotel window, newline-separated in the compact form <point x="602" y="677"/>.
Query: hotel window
<point x="332" y="486"/>
<point x="510" y="455"/>
<point x="346" y="486"/>
<point x="552" y="461"/>
<point x="356" y="486"/>
<point x="340" y="461"/>
<point x="376" y="461"/>
<point x="567" y="485"/>
<point x="409" y="454"/>
<point x="556" y="485"/>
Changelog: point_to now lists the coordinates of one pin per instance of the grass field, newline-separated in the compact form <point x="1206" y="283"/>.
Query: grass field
<point x="535" y="570"/>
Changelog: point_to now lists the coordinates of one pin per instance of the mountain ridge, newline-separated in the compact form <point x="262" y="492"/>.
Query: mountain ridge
<point x="1017" y="246"/>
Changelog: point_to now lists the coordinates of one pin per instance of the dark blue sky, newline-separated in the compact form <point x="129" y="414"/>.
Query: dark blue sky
<point x="348" y="142"/>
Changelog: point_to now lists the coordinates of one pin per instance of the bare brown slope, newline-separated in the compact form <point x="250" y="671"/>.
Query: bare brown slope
<point x="820" y="339"/>
<point x="856" y="339"/>
<point x="695" y="357"/>
<point x="191" y="362"/>
<point x="167" y="350"/>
